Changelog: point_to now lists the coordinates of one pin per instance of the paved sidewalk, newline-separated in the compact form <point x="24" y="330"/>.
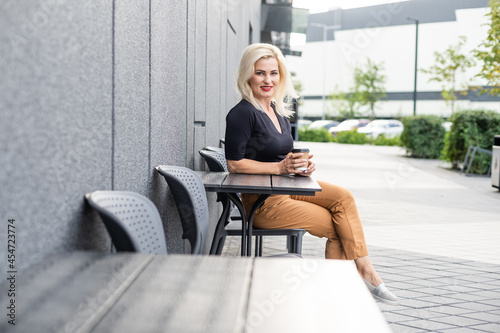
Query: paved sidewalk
<point x="433" y="236"/>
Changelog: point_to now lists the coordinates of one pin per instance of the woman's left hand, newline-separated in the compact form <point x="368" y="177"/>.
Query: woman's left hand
<point x="310" y="168"/>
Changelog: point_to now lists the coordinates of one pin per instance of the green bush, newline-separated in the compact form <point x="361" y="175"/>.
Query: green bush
<point x="471" y="128"/>
<point x="351" y="137"/>
<point x="423" y="136"/>
<point x="381" y="140"/>
<point x="314" y="135"/>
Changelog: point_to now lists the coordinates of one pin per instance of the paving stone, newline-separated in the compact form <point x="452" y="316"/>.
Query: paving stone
<point x="453" y="287"/>
<point x="484" y="316"/>
<point x="465" y="271"/>
<point x="390" y="273"/>
<point x="458" y="321"/>
<point x="450" y="310"/>
<point x="398" y="328"/>
<point x="494" y="269"/>
<point x="494" y="302"/>
<point x="429" y="283"/>
<point x="429" y="325"/>
<point x="402" y="285"/>
<point x="491" y="327"/>
<point x="476" y="278"/>
<point x="422" y="313"/>
<point x="407" y="294"/>
<point x="460" y="330"/>
<point x="495" y="277"/>
<point x="450" y="260"/>
<point x="482" y="265"/>
<point x="448" y="272"/>
<point x="440" y="300"/>
<point x="435" y="291"/>
<point x="393" y="317"/>
<point x="398" y="270"/>
<point x="496" y="311"/>
<point x="490" y="285"/>
<point x="487" y="294"/>
<point x="406" y="256"/>
<point x="417" y="304"/>
<point x="476" y="306"/>
<point x="467" y="297"/>
<point x="420" y="275"/>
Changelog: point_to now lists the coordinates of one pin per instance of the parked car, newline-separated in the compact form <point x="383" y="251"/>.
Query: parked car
<point x="323" y="124"/>
<point x="389" y="127"/>
<point x="303" y="123"/>
<point x="348" y="125"/>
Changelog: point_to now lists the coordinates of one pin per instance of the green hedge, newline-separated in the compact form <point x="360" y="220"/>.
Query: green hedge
<point x="471" y="128"/>
<point x="423" y="136"/>
<point x="314" y="135"/>
<point x="351" y="137"/>
<point x="381" y="140"/>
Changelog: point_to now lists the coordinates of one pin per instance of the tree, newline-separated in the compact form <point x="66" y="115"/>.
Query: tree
<point x="490" y="54"/>
<point x="446" y="66"/>
<point x="346" y="104"/>
<point x="369" y="85"/>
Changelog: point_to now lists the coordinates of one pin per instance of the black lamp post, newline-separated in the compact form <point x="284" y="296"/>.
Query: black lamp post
<point x="416" y="57"/>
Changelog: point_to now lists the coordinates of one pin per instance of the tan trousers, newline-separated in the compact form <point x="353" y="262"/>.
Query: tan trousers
<point x="331" y="213"/>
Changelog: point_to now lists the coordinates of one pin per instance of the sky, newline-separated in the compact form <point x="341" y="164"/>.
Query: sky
<point x="317" y="6"/>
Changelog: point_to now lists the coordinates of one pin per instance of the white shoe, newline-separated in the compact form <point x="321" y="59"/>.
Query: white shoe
<point x="382" y="294"/>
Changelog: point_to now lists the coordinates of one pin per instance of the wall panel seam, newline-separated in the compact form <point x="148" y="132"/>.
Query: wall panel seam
<point x="206" y="62"/>
<point x="149" y="98"/>
<point x="186" y="138"/>
<point x="113" y="64"/>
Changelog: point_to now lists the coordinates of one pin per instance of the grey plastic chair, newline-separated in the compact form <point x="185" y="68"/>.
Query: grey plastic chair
<point x="216" y="162"/>
<point x="131" y="219"/>
<point x="191" y="201"/>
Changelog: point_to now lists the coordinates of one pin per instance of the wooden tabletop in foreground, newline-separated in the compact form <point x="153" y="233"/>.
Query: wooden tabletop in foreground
<point x="127" y="292"/>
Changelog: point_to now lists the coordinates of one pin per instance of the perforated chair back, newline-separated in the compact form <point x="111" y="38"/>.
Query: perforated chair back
<point x="216" y="149"/>
<point x="191" y="201"/>
<point x="131" y="219"/>
<point x="216" y="161"/>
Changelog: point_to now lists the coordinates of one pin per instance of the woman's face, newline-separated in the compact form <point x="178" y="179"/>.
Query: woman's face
<point x="265" y="79"/>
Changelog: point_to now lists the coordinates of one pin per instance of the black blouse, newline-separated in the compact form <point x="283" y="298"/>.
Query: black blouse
<point x="251" y="134"/>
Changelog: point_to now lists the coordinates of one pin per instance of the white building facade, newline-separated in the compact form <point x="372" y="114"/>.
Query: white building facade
<point x="387" y="34"/>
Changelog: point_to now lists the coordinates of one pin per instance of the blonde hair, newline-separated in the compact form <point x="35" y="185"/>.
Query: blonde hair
<point x="285" y="92"/>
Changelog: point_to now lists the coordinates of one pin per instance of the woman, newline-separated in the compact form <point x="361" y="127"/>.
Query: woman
<point x="258" y="141"/>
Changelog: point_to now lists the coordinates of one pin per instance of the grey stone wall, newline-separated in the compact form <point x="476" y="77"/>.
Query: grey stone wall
<point x="95" y="94"/>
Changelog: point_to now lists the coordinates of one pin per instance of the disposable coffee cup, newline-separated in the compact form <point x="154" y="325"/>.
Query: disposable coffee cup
<point x="305" y="156"/>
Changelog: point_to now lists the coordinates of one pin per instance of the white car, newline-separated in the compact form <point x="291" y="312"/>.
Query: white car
<point x="348" y="125"/>
<point x="390" y="128"/>
<point x="318" y="124"/>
